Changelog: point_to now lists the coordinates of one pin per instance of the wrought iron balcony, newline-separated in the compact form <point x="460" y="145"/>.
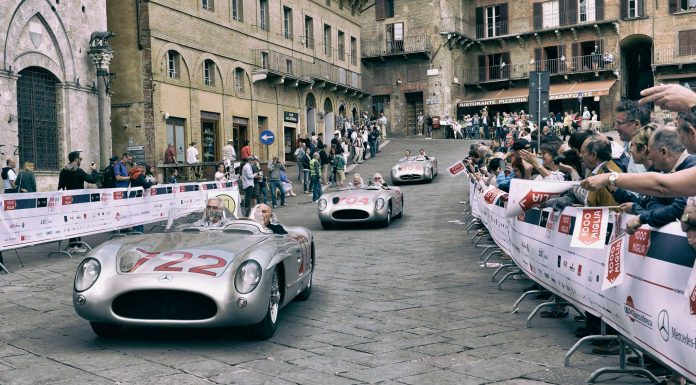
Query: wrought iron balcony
<point x="675" y="56"/>
<point x="409" y="45"/>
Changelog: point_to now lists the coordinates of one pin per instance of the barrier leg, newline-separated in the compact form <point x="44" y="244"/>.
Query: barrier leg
<point x="538" y="308"/>
<point x="490" y="255"/>
<point x="479" y="240"/>
<point x="498" y="270"/>
<point x="582" y="340"/>
<point x="622" y="368"/>
<point x="524" y="295"/>
<point x="506" y="276"/>
<point x="60" y="251"/>
<point x="3" y="268"/>
<point x="18" y="257"/>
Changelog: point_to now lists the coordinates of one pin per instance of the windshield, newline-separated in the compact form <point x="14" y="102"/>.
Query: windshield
<point x="180" y="219"/>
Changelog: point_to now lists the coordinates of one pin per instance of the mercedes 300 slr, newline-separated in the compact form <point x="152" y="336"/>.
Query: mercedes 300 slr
<point x="372" y="204"/>
<point x="237" y="273"/>
<point x="414" y="169"/>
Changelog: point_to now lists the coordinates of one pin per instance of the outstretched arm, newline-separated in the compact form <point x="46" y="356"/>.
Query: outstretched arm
<point x="678" y="184"/>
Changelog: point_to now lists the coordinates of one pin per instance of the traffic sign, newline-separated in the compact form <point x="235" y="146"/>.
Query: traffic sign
<point x="267" y="137"/>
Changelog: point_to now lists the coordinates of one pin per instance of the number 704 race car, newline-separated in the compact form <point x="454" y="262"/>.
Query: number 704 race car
<point x="234" y="272"/>
<point x="371" y="204"/>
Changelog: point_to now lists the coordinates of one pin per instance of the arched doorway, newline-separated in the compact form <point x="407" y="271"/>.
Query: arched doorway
<point x="635" y="65"/>
<point x="37" y="118"/>
<point x="311" y="105"/>
<point x="355" y="114"/>
<point x="328" y="119"/>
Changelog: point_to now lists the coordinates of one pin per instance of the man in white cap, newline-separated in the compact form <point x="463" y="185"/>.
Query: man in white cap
<point x="229" y="156"/>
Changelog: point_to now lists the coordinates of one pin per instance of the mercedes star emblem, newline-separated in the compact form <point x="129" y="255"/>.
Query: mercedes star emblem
<point x="165" y="278"/>
<point x="663" y="324"/>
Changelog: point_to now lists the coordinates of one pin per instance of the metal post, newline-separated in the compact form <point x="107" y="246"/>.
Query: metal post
<point x="538" y="111"/>
<point x="101" y="54"/>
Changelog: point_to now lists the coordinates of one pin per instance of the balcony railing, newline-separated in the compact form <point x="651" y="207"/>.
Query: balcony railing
<point x="457" y="25"/>
<point x="578" y="64"/>
<point x="677" y="55"/>
<point x="410" y="44"/>
<point x="573" y="17"/>
<point x="322" y="70"/>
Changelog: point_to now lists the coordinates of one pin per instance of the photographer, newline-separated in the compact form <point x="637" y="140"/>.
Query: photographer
<point x="72" y="177"/>
<point x="274" y="169"/>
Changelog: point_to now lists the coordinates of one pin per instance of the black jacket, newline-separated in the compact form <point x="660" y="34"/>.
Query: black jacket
<point x="661" y="211"/>
<point x="73" y="178"/>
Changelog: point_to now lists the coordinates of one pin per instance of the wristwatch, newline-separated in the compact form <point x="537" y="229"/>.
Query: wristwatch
<point x="613" y="178"/>
<point x="685" y="217"/>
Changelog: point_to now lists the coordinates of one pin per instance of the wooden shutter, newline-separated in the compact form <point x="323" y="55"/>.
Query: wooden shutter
<point x="538" y="12"/>
<point x="482" y="68"/>
<point x="505" y="57"/>
<point x="687" y="41"/>
<point x="562" y="12"/>
<point x="503" y="19"/>
<point x="599" y="9"/>
<point x="600" y="46"/>
<point x="379" y="9"/>
<point x="641" y="8"/>
<point x="572" y="8"/>
<point x="480" y="27"/>
<point x="624" y="9"/>
<point x="562" y="63"/>
<point x="575" y="51"/>
<point x="537" y="59"/>
<point x="673" y="6"/>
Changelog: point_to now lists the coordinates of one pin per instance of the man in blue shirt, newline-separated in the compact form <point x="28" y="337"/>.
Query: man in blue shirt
<point x="121" y="171"/>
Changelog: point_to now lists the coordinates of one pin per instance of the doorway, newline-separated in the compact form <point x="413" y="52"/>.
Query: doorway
<point x="414" y="104"/>
<point x="311" y="105"/>
<point x="635" y="65"/>
<point x="239" y="133"/>
<point x="289" y="142"/>
<point x="175" y="135"/>
<point x="328" y="119"/>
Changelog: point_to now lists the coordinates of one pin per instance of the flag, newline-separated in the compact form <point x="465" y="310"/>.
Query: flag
<point x="614" y="264"/>
<point x="457" y="168"/>
<point x="525" y="194"/>
<point x="590" y="227"/>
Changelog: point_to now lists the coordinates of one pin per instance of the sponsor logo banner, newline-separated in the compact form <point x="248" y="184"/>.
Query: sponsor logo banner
<point x="526" y="194"/>
<point x="457" y="168"/>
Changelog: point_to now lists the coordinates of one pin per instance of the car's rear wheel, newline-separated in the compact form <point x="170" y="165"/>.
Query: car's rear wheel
<point x="326" y="225"/>
<point x="267" y="327"/>
<point x="105" y="330"/>
<point x="429" y="175"/>
<point x="304" y="294"/>
<point x="387" y="221"/>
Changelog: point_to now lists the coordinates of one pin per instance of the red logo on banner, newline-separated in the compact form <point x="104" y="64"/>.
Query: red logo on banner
<point x="153" y="191"/>
<point x="614" y="268"/>
<point x="630" y="304"/>
<point x="456" y="169"/>
<point x="205" y="187"/>
<point x="692" y="301"/>
<point x="10" y="205"/>
<point x="534" y="198"/>
<point x="490" y="195"/>
<point x="104" y="197"/>
<point x="67" y="200"/>
<point x="182" y="189"/>
<point x="639" y="242"/>
<point x="118" y="194"/>
<point x="564" y="224"/>
<point x="590" y="226"/>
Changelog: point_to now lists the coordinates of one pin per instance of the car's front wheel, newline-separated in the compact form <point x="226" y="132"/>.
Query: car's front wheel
<point x="105" y="330"/>
<point x="267" y="327"/>
<point x="387" y="221"/>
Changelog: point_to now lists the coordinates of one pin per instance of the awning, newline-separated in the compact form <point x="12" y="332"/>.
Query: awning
<point x="520" y="95"/>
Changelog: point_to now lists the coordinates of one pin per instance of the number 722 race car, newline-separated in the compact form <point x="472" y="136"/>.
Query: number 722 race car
<point x="232" y="273"/>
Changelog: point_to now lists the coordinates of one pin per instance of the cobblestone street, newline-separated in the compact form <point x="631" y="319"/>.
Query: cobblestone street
<point x="408" y="304"/>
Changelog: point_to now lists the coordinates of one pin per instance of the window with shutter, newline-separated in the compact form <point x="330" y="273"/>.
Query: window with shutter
<point x="672" y="6"/>
<point x="599" y="10"/>
<point x="379" y="9"/>
<point x="537" y="9"/>
<point x="550" y="13"/>
<point x="480" y="26"/>
<point x="237" y="10"/>
<point x="687" y="42"/>
<point x="572" y="9"/>
<point x="538" y="64"/>
<point x="388" y="8"/>
<point x="503" y="19"/>
<point x="641" y="8"/>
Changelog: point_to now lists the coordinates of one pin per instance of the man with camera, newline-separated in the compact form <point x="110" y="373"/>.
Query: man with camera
<point x="274" y="169"/>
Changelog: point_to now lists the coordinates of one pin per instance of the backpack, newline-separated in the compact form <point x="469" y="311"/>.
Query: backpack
<point x="108" y="177"/>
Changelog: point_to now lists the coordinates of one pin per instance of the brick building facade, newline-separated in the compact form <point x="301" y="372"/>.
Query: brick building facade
<point x="481" y="53"/>
<point x="208" y="71"/>
<point x="48" y="84"/>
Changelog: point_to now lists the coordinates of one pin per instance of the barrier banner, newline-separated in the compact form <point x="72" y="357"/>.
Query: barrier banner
<point x="591" y="229"/>
<point x="32" y="218"/>
<point x="525" y="194"/>
<point x="641" y="284"/>
<point x="457" y="168"/>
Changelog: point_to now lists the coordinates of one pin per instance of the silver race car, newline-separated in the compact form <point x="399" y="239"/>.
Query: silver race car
<point x="235" y="272"/>
<point x="414" y="169"/>
<point x="372" y="204"/>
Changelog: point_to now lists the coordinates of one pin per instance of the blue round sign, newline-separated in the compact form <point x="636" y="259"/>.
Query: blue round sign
<point x="267" y="137"/>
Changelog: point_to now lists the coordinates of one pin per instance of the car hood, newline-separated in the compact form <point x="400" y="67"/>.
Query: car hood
<point x="195" y="249"/>
<point x="353" y="198"/>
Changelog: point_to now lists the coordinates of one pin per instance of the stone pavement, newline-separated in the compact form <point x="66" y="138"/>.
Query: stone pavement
<point x="403" y="305"/>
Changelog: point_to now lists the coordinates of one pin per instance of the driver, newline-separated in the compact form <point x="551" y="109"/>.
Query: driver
<point x="263" y="214"/>
<point x="214" y="214"/>
<point x="357" y="181"/>
<point x="407" y="155"/>
<point x="421" y="154"/>
<point x="377" y="180"/>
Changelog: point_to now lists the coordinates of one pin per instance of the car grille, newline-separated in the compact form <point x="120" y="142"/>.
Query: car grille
<point x="350" y="214"/>
<point x="411" y="176"/>
<point x="164" y="304"/>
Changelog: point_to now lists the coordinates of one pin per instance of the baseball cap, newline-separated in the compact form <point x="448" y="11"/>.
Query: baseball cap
<point x="230" y="140"/>
<point x="73" y="155"/>
<point x="113" y="158"/>
<point x="521" y="144"/>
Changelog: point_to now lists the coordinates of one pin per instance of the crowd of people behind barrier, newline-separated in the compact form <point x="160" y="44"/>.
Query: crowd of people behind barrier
<point x="650" y="175"/>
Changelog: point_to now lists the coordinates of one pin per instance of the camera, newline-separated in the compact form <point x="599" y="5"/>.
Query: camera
<point x="559" y="159"/>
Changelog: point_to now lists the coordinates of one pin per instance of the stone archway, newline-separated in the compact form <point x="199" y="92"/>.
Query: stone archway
<point x="636" y="67"/>
<point x="329" y="119"/>
<point x="311" y="108"/>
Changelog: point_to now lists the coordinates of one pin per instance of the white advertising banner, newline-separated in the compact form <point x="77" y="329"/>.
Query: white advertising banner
<point x="641" y="284"/>
<point x="33" y="218"/>
<point x="526" y="194"/>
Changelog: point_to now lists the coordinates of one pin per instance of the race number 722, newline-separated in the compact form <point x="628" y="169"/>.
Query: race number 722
<point x="183" y="257"/>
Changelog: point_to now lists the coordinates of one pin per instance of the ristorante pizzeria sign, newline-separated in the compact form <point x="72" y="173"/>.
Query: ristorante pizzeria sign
<point x="523" y="99"/>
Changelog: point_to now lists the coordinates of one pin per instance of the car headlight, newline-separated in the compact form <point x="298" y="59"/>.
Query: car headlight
<point x="398" y="168"/>
<point x="248" y="277"/>
<point x="128" y="260"/>
<point x="379" y="204"/>
<point x="322" y="204"/>
<point x="87" y="274"/>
